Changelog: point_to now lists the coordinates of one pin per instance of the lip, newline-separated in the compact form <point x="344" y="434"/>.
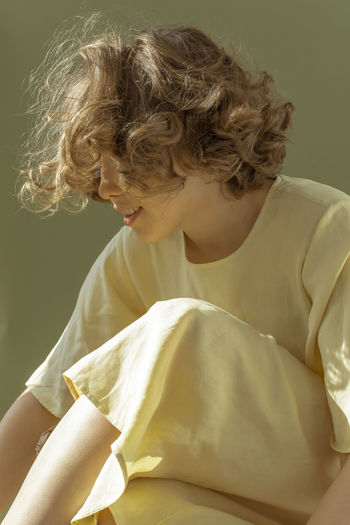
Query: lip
<point x="130" y="219"/>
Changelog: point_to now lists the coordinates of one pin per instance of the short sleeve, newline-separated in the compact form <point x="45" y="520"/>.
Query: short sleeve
<point x="108" y="301"/>
<point x="326" y="276"/>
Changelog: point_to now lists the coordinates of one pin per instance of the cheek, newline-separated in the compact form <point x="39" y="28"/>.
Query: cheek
<point x="160" y="219"/>
<point x="156" y="208"/>
<point x="167" y="210"/>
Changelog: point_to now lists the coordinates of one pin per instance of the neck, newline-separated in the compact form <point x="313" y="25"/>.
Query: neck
<point x="224" y="227"/>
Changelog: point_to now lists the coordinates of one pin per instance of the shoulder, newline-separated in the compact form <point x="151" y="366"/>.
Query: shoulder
<point x="307" y="205"/>
<point x="310" y="193"/>
<point x="141" y="263"/>
<point x="319" y="219"/>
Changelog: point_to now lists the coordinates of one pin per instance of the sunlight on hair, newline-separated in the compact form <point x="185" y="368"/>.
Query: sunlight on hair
<point x="154" y="96"/>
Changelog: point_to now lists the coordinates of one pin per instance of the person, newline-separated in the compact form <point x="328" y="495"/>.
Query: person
<point x="204" y="373"/>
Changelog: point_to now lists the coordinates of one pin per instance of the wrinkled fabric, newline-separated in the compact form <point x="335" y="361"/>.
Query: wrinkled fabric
<point x="202" y="397"/>
<point x="257" y="409"/>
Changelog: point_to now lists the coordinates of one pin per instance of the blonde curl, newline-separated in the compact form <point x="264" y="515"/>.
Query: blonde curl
<point x="162" y="97"/>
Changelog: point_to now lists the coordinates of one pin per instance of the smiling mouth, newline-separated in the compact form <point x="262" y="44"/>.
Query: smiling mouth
<point x="130" y="215"/>
<point x="131" y="211"/>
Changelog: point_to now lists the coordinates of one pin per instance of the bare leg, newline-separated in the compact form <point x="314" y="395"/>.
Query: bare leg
<point x="62" y="476"/>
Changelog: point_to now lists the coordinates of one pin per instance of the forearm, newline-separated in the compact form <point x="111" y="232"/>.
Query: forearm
<point x="334" y="506"/>
<point x="66" y="468"/>
<point x="20" y="430"/>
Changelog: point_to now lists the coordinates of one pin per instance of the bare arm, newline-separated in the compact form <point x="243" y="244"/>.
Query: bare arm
<point x="334" y="506"/>
<point x="66" y="469"/>
<point x="20" y="429"/>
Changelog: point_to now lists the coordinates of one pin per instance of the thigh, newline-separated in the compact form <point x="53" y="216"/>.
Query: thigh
<point x="203" y="397"/>
<point x="149" y="501"/>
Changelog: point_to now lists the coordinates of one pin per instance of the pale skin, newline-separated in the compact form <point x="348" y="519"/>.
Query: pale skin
<point x="213" y="228"/>
<point x="81" y="444"/>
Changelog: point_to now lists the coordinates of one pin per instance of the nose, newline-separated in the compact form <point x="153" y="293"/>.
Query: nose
<point x="109" y="181"/>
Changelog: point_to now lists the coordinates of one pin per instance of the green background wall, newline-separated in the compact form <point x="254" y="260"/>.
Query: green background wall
<point x="304" y="44"/>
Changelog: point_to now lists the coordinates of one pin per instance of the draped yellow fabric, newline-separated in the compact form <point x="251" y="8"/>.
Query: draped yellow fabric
<point x="229" y="381"/>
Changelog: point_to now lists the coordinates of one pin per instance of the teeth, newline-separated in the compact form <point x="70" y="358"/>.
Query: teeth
<point x="131" y="211"/>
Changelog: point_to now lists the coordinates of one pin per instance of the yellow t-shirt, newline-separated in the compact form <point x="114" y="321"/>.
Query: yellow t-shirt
<point x="290" y="279"/>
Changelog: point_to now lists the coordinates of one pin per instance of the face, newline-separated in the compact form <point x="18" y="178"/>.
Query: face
<point x="154" y="217"/>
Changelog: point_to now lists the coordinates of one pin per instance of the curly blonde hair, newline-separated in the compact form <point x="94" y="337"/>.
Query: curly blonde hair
<point x="169" y="98"/>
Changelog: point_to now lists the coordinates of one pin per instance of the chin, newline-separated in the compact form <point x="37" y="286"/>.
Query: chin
<point x="150" y="237"/>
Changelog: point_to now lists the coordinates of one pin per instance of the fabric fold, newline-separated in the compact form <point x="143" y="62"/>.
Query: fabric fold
<point x="185" y="380"/>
